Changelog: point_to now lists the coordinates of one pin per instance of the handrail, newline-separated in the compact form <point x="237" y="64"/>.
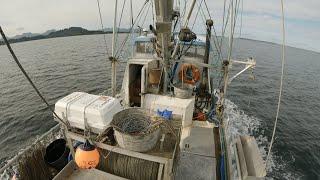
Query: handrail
<point x="15" y="158"/>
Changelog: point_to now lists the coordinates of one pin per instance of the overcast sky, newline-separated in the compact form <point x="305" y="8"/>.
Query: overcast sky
<point x="260" y="18"/>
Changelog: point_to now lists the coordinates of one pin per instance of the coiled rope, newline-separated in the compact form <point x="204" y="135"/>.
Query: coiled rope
<point x="281" y="82"/>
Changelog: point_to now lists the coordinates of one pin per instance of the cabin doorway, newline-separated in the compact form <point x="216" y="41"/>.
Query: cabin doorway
<point x="135" y="72"/>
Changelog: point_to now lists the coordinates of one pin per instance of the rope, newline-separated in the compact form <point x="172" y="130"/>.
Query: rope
<point x="29" y="79"/>
<point x="184" y="9"/>
<point x="147" y="12"/>
<point x="223" y="19"/>
<point x="236" y="8"/>
<point x="281" y="82"/>
<point x="120" y="50"/>
<point x="104" y="35"/>
<point x="215" y="39"/>
<point x="123" y="5"/>
<point x="153" y="14"/>
<point x="131" y="13"/>
<point x="205" y="3"/>
<point x="240" y="33"/>
<point x="195" y="19"/>
<point x="224" y="26"/>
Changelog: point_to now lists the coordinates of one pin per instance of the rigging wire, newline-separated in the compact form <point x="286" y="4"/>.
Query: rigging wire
<point x="224" y="26"/>
<point x="195" y="19"/>
<point x="153" y="15"/>
<point x="29" y="79"/>
<point x="120" y="20"/>
<point x="205" y="3"/>
<point x="235" y="13"/>
<point x="223" y="19"/>
<point x="131" y="12"/>
<point x="215" y="39"/>
<point x="145" y="17"/>
<point x="240" y="33"/>
<point x="184" y="9"/>
<point x="281" y="80"/>
<point x="120" y="50"/>
<point x="102" y="28"/>
<point x="223" y="16"/>
<point x="226" y="17"/>
<point x="123" y="5"/>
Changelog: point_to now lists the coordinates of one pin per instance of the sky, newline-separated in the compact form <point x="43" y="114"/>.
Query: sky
<point x="261" y="19"/>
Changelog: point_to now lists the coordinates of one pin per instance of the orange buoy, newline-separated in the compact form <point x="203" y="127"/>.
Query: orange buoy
<point x="87" y="156"/>
<point x="200" y="116"/>
<point x="191" y="69"/>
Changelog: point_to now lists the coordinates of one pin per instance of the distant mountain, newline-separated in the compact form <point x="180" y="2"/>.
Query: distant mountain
<point x="28" y="35"/>
<point x="119" y="30"/>
<point x="72" y="31"/>
<point x="48" y="32"/>
<point x="108" y="30"/>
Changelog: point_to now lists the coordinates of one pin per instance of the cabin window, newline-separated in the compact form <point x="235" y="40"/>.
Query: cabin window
<point x="144" y="47"/>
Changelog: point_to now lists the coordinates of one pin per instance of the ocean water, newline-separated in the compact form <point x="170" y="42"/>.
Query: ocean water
<point x="63" y="65"/>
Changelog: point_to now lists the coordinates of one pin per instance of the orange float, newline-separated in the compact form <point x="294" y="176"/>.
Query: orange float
<point x="185" y="68"/>
<point x="87" y="156"/>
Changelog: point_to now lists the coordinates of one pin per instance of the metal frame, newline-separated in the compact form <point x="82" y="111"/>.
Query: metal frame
<point x="165" y="164"/>
<point x="250" y="63"/>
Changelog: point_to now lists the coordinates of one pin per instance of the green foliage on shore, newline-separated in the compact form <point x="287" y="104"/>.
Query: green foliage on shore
<point x="72" y="31"/>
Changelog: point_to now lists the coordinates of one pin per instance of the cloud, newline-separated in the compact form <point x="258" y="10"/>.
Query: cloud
<point x="20" y="29"/>
<point x="261" y="18"/>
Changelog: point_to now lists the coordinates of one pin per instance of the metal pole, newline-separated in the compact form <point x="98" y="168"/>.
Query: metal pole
<point x="226" y="64"/>
<point x="113" y="59"/>
<point x="205" y="79"/>
<point x="164" y="10"/>
<point x="131" y="13"/>
<point x="175" y="51"/>
<point x="190" y="12"/>
<point x="131" y="22"/>
<point x="226" y="68"/>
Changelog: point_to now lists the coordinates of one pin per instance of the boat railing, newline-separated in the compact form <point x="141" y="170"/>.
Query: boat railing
<point x="15" y="159"/>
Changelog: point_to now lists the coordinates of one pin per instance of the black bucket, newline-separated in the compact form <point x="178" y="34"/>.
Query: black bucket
<point x="57" y="154"/>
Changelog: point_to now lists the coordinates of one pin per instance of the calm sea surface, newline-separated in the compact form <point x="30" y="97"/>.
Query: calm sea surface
<point x="63" y="65"/>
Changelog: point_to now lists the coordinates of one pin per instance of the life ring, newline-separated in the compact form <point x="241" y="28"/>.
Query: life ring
<point x="189" y="74"/>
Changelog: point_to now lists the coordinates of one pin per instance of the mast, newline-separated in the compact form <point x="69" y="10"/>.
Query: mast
<point x="206" y="79"/>
<point x="185" y="25"/>
<point x="164" y="9"/>
<point x="113" y="59"/>
<point x="131" y="13"/>
<point x="227" y="62"/>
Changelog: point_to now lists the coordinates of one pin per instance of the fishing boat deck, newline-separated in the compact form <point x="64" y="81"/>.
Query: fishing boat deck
<point x="162" y="154"/>
<point x="197" y="157"/>
<point x="72" y="172"/>
<point x="193" y="157"/>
